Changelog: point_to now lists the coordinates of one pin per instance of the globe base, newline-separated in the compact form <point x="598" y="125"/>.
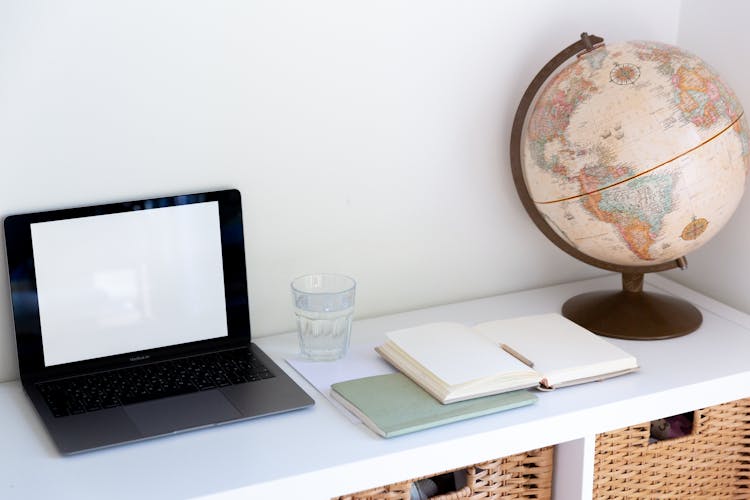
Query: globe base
<point x="632" y="313"/>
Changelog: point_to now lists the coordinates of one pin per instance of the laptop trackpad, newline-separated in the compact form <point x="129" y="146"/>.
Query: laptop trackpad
<point x="181" y="412"/>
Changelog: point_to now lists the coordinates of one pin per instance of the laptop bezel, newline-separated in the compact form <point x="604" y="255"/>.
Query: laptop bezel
<point x="25" y="307"/>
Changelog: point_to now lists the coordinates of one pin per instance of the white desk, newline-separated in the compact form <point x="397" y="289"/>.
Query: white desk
<point x="318" y="453"/>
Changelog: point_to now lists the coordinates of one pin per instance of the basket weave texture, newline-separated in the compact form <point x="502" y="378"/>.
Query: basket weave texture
<point x="521" y="476"/>
<point x="711" y="462"/>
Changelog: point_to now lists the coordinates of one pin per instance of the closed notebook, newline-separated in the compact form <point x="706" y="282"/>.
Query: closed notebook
<point x="454" y="362"/>
<point x="392" y="404"/>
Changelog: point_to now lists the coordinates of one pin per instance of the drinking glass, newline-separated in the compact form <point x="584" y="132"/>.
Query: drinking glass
<point x="323" y="304"/>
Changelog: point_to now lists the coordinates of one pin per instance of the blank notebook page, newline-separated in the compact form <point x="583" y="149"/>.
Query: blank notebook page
<point x="454" y="353"/>
<point x="553" y="342"/>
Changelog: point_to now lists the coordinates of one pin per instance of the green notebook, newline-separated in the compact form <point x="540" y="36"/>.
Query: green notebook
<point x="392" y="404"/>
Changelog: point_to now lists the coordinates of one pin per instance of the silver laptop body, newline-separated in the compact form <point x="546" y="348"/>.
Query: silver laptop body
<point x="151" y="293"/>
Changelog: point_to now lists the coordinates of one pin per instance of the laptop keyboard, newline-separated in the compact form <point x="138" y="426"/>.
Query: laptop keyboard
<point x="154" y="381"/>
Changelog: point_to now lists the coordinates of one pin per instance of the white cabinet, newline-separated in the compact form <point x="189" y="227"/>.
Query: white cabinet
<point x="319" y="453"/>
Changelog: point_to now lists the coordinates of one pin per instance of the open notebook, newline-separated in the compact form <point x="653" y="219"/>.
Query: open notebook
<point x="454" y="362"/>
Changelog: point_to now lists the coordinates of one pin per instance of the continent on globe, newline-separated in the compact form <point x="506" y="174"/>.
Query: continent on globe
<point x="636" y="153"/>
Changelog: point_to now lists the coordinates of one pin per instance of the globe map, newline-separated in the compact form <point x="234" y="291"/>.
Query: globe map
<point x="636" y="153"/>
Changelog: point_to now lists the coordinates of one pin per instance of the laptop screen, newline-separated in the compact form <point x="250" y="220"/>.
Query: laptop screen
<point x="118" y="283"/>
<point x="110" y="285"/>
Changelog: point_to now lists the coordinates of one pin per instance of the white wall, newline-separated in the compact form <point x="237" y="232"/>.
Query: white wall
<point x="721" y="268"/>
<point x="369" y="138"/>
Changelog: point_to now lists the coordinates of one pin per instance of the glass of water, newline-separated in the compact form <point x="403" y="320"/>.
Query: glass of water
<point x="324" y="304"/>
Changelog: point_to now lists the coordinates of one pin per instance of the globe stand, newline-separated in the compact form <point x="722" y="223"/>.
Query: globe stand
<point x="633" y="314"/>
<point x="630" y="313"/>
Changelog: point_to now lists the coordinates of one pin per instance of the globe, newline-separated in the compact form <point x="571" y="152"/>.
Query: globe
<point x="629" y="156"/>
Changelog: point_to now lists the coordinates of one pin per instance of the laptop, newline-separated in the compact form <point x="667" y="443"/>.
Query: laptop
<point x="132" y="320"/>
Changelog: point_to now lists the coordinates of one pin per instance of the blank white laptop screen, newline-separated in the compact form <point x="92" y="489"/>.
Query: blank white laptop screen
<point x="118" y="283"/>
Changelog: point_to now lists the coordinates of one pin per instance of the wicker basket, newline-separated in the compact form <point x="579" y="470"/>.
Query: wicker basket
<point x="711" y="462"/>
<point x="525" y="475"/>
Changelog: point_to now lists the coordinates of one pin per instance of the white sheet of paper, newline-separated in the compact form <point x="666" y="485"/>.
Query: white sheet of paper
<point x="361" y="361"/>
